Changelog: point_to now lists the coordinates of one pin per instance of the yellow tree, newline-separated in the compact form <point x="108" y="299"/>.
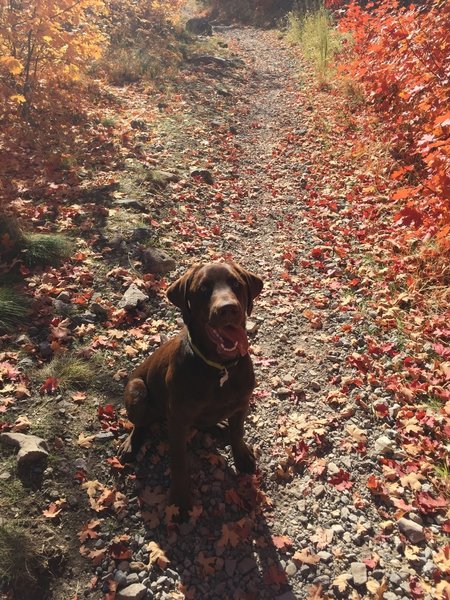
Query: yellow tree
<point x="44" y="43"/>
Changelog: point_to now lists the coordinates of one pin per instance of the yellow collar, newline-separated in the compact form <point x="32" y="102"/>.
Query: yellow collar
<point x="223" y="369"/>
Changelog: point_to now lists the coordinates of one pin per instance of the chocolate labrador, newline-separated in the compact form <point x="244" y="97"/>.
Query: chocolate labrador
<point x="202" y="376"/>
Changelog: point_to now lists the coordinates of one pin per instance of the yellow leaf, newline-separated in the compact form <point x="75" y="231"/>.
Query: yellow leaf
<point x="14" y="66"/>
<point x="157" y="555"/>
<point x="341" y="582"/>
<point x="18" y="98"/>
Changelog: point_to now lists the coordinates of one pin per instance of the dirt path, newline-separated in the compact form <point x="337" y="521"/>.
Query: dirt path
<point x="307" y="523"/>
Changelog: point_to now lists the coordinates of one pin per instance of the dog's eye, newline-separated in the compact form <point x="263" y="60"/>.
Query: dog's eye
<point x="235" y="284"/>
<point x="204" y="288"/>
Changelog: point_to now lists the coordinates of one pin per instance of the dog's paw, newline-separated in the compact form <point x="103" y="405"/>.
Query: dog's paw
<point x="126" y="452"/>
<point x="244" y="459"/>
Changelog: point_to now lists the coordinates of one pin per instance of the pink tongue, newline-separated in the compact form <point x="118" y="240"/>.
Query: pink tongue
<point x="233" y="334"/>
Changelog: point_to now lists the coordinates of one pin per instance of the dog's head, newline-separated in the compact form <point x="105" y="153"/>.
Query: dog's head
<point x="214" y="300"/>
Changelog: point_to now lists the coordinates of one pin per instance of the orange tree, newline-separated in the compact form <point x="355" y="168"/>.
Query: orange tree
<point x="401" y="55"/>
<point x="44" y="44"/>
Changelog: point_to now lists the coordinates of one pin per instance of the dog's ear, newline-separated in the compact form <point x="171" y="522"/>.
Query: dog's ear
<point x="177" y="293"/>
<point x="254" y="286"/>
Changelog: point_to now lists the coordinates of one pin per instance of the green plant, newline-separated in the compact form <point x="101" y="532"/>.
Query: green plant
<point x="317" y="36"/>
<point x="13" y="308"/>
<point x="70" y="371"/>
<point x="45" y="249"/>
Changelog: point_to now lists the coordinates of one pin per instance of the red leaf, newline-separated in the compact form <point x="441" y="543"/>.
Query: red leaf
<point x="341" y="480"/>
<point x="428" y="504"/>
<point x="49" y="386"/>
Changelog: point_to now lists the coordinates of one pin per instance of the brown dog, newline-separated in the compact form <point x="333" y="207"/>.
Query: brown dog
<point x="203" y="375"/>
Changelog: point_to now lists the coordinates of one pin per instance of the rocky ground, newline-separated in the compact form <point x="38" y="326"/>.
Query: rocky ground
<point x="235" y="147"/>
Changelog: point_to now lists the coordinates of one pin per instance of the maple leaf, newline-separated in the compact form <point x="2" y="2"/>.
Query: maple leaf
<point x="119" y="551"/>
<point x="341" y="480"/>
<point x="79" y="397"/>
<point x="322" y="538"/>
<point x="341" y="582"/>
<point x="304" y="557"/>
<point x="207" y="564"/>
<point x="442" y="559"/>
<point x="282" y="541"/>
<point x="85" y="441"/>
<point x="88" y="530"/>
<point x="115" y="463"/>
<point x="49" y="386"/>
<point x="229" y="536"/>
<point x="54" y="508"/>
<point x="96" y="556"/>
<point x="150" y="518"/>
<point x="157" y="556"/>
<point x="428" y="504"/>
<point x="22" y="423"/>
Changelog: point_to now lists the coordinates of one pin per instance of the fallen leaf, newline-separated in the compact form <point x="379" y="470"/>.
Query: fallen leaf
<point x="157" y="556"/>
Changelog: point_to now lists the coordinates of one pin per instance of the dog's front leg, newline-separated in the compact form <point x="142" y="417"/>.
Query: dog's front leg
<point x="180" y="491"/>
<point x="244" y="459"/>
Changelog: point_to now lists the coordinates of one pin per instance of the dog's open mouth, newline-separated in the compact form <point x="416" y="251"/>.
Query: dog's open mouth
<point x="230" y="340"/>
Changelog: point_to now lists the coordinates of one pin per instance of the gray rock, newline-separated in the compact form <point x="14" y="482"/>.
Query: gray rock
<point x="319" y="491"/>
<point x="135" y="591"/>
<point x="100" y="311"/>
<point x="156" y="262"/>
<point x="325" y="556"/>
<point x="204" y="174"/>
<point x="359" y="573"/>
<point x="161" y="179"/>
<point x="132" y="298"/>
<point x="130" y="203"/>
<point x="32" y="449"/>
<point x="315" y="386"/>
<point x="282" y="392"/>
<point x="384" y="445"/>
<point x="413" y="531"/>
<point x="291" y="569"/>
<point x="132" y="578"/>
<point x="104" y="436"/>
<point x="120" y="578"/>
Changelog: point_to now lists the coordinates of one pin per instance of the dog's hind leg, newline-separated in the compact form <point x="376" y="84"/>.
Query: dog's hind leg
<point x="140" y="414"/>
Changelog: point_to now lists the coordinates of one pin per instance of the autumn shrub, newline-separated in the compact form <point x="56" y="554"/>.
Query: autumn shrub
<point x="14" y="306"/>
<point x="400" y="55"/>
<point x="317" y="36"/>
<point x="145" y="40"/>
<point x="44" y="46"/>
<point x="248" y="11"/>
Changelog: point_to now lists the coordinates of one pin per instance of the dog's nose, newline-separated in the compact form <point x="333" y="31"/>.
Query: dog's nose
<point x="228" y="309"/>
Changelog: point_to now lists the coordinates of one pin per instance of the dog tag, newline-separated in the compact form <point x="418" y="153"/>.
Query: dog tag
<point x="223" y="377"/>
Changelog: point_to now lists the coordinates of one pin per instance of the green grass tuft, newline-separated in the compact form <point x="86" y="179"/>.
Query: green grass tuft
<point x="70" y="371"/>
<point x="14" y="307"/>
<point x="20" y="562"/>
<point x="46" y="249"/>
<point x="317" y="36"/>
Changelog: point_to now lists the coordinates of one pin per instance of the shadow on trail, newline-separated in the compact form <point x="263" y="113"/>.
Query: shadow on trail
<point x="225" y="550"/>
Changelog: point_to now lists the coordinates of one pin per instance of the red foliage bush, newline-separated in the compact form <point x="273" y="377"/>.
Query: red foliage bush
<point x="401" y="56"/>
